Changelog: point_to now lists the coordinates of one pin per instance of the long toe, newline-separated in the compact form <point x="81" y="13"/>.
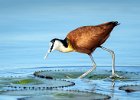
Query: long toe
<point x="116" y="76"/>
<point x="82" y="76"/>
<point x="68" y="77"/>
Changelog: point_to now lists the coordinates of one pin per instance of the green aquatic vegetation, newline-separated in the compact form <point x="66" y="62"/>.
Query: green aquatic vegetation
<point x="96" y="77"/>
<point x="68" y="95"/>
<point x="130" y="88"/>
<point x="27" y="81"/>
<point x="7" y="81"/>
<point x="118" y="78"/>
<point x="56" y="95"/>
<point x="58" y="74"/>
<point x="54" y="79"/>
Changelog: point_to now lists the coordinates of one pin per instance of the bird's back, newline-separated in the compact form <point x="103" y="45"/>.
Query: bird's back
<point x="87" y="38"/>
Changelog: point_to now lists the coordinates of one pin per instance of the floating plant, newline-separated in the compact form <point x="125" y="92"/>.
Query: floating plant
<point x="57" y="94"/>
<point x="27" y="81"/>
<point x="130" y="88"/>
<point x="52" y="84"/>
<point x="37" y="84"/>
<point x="66" y="74"/>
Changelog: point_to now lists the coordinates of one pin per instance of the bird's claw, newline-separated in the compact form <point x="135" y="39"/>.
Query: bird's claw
<point x="68" y="77"/>
<point x="116" y="76"/>
<point x="80" y="77"/>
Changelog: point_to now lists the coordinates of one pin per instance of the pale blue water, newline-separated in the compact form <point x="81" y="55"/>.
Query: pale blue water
<point x="26" y="27"/>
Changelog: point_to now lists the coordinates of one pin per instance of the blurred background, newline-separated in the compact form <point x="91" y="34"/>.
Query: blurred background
<point x="27" y="26"/>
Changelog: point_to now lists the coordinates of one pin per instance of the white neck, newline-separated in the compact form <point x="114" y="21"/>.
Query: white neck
<point x="60" y="47"/>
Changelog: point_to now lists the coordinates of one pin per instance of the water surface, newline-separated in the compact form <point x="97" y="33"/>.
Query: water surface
<point x="26" y="27"/>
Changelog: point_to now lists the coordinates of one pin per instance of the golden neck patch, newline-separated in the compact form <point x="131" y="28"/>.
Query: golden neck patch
<point x="70" y="48"/>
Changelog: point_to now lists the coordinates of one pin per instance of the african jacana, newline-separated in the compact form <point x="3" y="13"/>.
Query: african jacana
<point x="86" y="39"/>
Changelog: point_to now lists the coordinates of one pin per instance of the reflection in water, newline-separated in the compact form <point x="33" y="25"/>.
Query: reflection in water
<point x="112" y="87"/>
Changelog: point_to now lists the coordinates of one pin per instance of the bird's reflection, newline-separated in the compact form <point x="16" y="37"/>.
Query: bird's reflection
<point x="112" y="87"/>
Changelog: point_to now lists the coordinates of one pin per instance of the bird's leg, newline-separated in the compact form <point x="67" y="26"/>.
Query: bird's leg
<point x="93" y="68"/>
<point x="113" y="62"/>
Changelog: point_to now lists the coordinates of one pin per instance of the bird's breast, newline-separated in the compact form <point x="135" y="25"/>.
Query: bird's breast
<point x="67" y="49"/>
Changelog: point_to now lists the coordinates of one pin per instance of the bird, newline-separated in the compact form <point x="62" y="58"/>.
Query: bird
<point x="86" y="39"/>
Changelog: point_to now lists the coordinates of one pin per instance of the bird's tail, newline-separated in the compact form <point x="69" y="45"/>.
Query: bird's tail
<point x="115" y="23"/>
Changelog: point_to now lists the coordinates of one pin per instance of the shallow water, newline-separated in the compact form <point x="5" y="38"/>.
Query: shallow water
<point x="103" y="86"/>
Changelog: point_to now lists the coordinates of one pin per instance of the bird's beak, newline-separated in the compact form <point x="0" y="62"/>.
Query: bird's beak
<point x="47" y="54"/>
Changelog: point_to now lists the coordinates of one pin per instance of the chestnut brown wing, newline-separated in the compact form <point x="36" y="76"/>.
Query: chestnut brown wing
<point x="87" y="38"/>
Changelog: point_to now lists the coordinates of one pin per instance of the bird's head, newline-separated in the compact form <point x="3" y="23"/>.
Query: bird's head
<point x="55" y="44"/>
